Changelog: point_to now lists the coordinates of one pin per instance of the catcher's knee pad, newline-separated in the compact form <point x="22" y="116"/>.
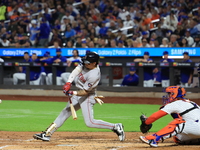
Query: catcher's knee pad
<point x="177" y="126"/>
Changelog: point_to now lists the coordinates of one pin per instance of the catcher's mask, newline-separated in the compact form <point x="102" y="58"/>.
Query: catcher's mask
<point x="173" y="93"/>
<point x="90" y="57"/>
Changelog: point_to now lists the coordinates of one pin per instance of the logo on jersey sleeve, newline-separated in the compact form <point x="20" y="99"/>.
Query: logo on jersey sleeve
<point x="89" y="84"/>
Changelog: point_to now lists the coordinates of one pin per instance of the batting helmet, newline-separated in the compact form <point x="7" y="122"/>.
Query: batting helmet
<point x="91" y="57"/>
<point x="174" y="92"/>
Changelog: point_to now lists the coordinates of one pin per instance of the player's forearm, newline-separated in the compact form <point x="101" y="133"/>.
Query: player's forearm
<point x="155" y="116"/>
<point x="138" y="60"/>
<point x="80" y="93"/>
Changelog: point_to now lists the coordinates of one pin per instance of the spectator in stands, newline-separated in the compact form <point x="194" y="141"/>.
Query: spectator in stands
<point x="173" y="40"/>
<point x="21" y="75"/>
<point x="157" y="77"/>
<point x="12" y="26"/>
<point x="110" y="16"/>
<point x="165" y="42"/>
<point x="69" y="33"/>
<point x="75" y="58"/>
<point x="63" y="27"/>
<point x="129" y="43"/>
<point x="67" y="15"/>
<point x="96" y="27"/>
<point x="189" y="38"/>
<point x="171" y="21"/>
<point x="165" y="70"/>
<point x="120" y="44"/>
<point x="128" y="22"/>
<point x="3" y="11"/>
<point x="180" y="31"/>
<point x="145" y="21"/>
<point x="183" y="43"/>
<point x="138" y="42"/>
<point x="159" y="33"/>
<point x="78" y="42"/>
<point x="119" y="35"/>
<point x="145" y="43"/>
<point x="44" y="33"/>
<point x="84" y="44"/>
<point x="186" y="73"/>
<point x="145" y="34"/>
<point x="164" y="11"/>
<point x="4" y="42"/>
<point x="194" y="27"/>
<point x="55" y="45"/>
<point x="123" y="13"/>
<point x="103" y="30"/>
<point x="113" y="44"/>
<point x="131" y="79"/>
<point x="196" y="41"/>
<point x="55" y="37"/>
<point x="14" y="16"/>
<point x="155" y="17"/>
<point x="148" y="71"/>
<point x="91" y="44"/>
<point x="34" y="30"/>
<point x="152" y="43"/>
<point x="70" y="44"/>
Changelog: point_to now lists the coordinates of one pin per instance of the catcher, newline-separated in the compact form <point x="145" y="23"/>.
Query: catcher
<point x="185" y="128"/>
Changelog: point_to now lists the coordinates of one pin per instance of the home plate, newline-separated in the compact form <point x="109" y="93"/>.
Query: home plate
<point x="66" y="145"/>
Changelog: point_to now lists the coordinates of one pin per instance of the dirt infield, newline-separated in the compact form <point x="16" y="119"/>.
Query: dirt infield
<point x="83" y="140"/>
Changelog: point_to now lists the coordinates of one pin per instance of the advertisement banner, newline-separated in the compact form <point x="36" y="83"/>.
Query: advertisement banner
<point x="104" y="52"/>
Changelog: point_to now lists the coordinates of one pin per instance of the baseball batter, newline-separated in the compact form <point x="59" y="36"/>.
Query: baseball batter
<point x="88" y="76"/>
<point x="185" y="128"/>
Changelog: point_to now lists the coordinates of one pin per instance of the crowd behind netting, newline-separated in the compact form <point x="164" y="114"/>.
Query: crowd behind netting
<point x="99" y="23"/>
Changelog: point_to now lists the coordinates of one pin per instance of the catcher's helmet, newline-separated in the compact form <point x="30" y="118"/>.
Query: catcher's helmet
<point x="91" y="57"/>
<point x="174" y="92"/>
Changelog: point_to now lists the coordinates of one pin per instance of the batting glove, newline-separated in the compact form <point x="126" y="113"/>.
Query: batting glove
<point x="66" y="87"/>
<point x="69" y="93"/>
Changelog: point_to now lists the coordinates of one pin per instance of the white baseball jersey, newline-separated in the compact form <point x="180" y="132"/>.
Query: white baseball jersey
<point x="180" y="106"/>
<point x="88" y="79"/>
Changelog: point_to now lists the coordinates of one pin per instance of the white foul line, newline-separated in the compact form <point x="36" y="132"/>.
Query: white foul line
<point x="5" y="146"/>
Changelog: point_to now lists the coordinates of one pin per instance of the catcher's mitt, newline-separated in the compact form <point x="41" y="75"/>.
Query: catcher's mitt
<point x="144" y="128"/>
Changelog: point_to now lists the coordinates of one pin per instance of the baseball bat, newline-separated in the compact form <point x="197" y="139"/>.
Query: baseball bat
<point x="72" y="109"/>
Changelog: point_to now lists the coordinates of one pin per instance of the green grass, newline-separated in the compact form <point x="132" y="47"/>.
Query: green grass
<point x="36" y="116"/>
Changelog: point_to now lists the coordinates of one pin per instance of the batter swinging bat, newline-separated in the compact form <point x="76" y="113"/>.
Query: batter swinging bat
<point x="72" y="109"/>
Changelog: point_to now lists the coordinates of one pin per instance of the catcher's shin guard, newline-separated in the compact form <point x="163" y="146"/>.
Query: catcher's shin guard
<point x="172" y="129"/>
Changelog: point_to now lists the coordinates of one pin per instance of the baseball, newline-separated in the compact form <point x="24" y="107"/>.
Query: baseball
<point x="0" y="101"/>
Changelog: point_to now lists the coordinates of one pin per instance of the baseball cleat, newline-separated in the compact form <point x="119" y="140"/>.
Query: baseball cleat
<point x="119" y="130"/>
<point x="41" y="136"/>
<point x="152" y="143"/>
